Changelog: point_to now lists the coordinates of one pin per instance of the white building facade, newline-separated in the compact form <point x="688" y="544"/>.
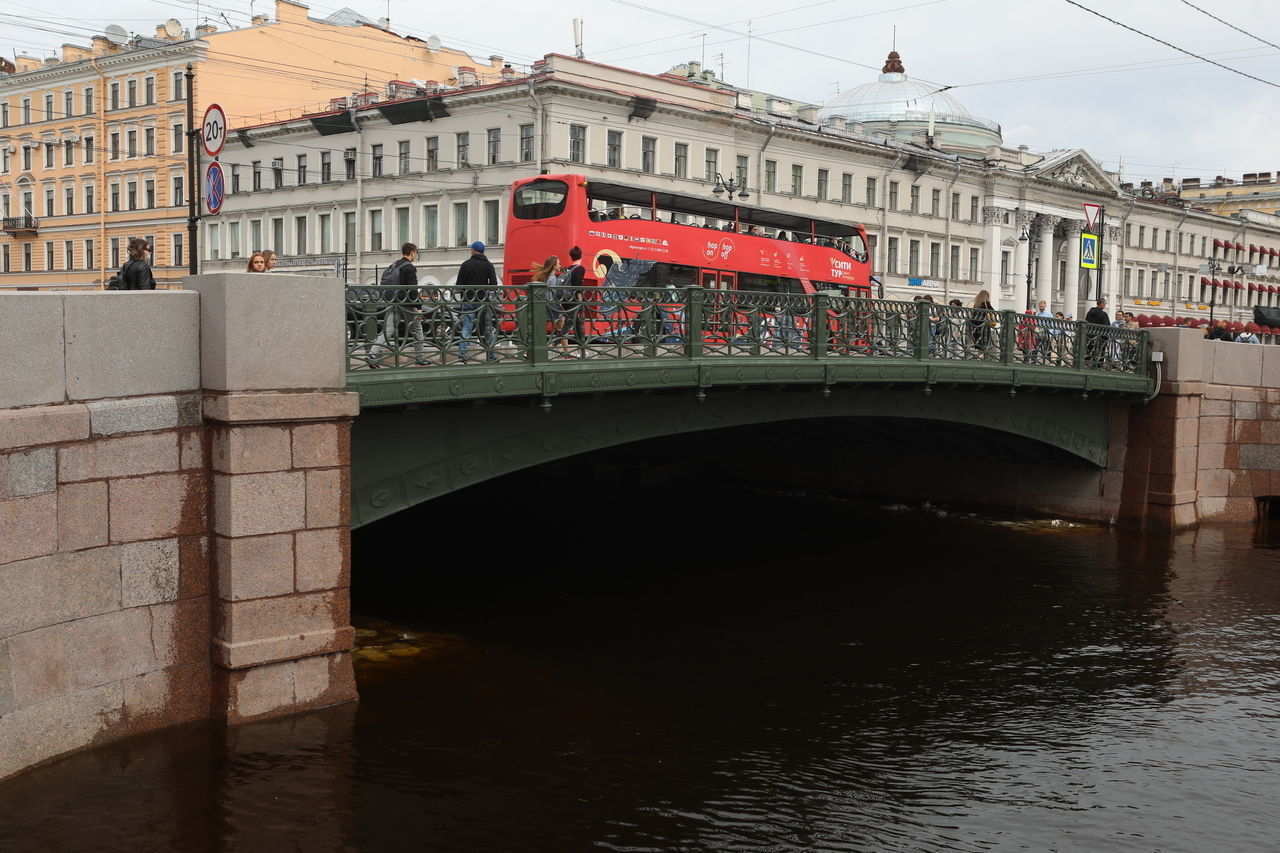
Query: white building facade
<point x="949" y="209"/>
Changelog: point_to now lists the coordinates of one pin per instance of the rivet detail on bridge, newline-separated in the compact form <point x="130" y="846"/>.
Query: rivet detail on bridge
<point x="455" y="387"/>
<point x="631" y="377"/>
<point x="500" y="384"/>
<point x="380" y="498"/>
<point x="407" y="390"/>
<point x="595" y="380"/>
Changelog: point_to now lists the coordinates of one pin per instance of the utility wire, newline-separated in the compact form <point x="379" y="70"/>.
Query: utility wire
<point x="1231" y="25"/>
<point x="1167" y="44"/>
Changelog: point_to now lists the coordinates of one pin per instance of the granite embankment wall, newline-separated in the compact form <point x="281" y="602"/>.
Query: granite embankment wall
<point x="173" y="509"/>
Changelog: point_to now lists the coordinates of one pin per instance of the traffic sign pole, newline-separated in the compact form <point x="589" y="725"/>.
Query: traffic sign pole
<point x="193" y="177"/>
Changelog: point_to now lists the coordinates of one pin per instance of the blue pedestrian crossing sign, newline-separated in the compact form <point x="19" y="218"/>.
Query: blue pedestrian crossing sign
<point x="1089" y="249"/>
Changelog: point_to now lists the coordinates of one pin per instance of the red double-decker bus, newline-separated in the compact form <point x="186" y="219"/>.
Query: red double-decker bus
<point x="668" y="239"/>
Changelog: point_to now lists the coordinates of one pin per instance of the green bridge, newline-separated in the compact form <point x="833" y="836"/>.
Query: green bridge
<point x="573" y="370"/>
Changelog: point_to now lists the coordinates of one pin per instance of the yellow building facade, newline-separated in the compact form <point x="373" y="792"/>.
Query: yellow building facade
<point x="93" y="144"/>
<point x="1225" y="196"/>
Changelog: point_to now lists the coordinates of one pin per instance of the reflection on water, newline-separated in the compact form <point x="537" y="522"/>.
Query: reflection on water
<point x="774" y="672"/>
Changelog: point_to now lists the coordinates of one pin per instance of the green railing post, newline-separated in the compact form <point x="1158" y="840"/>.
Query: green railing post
<point x="693" y="321"/>
<point x="821" y="326"/>
<point x="922" y="329"/>
<point x="536" y="322"/>
<point x="1008" y="336"/>
<point x="1080" y="344"/>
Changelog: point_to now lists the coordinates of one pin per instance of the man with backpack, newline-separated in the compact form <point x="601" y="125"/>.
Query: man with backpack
<point x="403" y="301"/>
<point x="476" y="285"/>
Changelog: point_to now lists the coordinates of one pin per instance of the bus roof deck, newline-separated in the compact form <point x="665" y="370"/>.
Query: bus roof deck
<point x="710" y="208"/>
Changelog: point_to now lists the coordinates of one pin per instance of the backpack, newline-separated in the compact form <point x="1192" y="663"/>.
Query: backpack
<point x="116" y="282"/>
<point x="391" y="275"/>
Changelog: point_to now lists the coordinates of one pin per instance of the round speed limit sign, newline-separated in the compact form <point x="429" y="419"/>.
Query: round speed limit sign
<point x="213" y="133"/>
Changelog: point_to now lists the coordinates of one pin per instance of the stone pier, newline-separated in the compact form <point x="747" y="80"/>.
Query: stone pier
<point x="173" y="509"/>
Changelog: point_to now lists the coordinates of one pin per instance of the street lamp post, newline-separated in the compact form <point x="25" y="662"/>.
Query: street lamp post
<point x="731" y="186"/>
<point x="1025" y="237"/>
<point x="1214" y="266"/>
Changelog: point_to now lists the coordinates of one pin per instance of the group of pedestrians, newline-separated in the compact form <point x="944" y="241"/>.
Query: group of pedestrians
<point x="262" y="260"/>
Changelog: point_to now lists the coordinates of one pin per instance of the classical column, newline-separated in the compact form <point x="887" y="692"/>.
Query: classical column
<point x="1021" y="263"/>
<point x="1071" y="287"/>
<point x="993" y="218"/>
<point x="1044" y="265"/>
<point x="1111" y="284"/>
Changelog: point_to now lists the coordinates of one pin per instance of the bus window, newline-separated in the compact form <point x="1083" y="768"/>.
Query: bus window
<point x="768" y="283"/>
<point x="719" y="279"/>
<point x="540" y="200"/>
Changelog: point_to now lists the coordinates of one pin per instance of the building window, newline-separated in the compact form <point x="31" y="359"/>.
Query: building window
<point x="913" y="258"/>
<point x="277" y="233"/>
<point x="48" y="203"/>
<point x="115" y="196"/>
<point x="176" y="86"/>
<point x="131" y="145"/>
<point x="348" y="231"/>
<point x="88" y="149"/>
<point x="176" y="136"/>
<point x="402" y="225"/>
<point x="493" y="145"/>
<point x="682" y="159"/>
<point x="149" y="90"/>
<point x="132" y="87"/>
<point x="955" y="209"/>
<point x="68" y="153"/>
<point x="797" y="178"/>
<point x="26" y="158"/>
<point x="302" y="169"/>
<point x="822" y="183"/>
<point x="526" y="143"/>
<point x="577" y="143"/>
<point x="1004" y="268"/>
<point x="233" y="239"/>
<point x="613" y="149"/>
<point x="26" y="111"/>
<point x="871" y="192"/>
<point x="893" y="195"/>
<point x="149" y="190"/>
<point x="1128" y="285"/>
<point x="48" y="109"/>
<point x="325" y="224"/>
<point x="935" y="202"/>
<point x="1128" y="235"/>
<point x="88" y="199"/>
<point x="215" y="242"/>
<point x="255" y="169"/>
<point x="300" y="235"/>
<point x="973" y="209"/>
<point x="48" y="254"/>
<point x="375" y="230"/>
<point x="277" y="173"/>
<point x="464" y="149"/>
<point x="235" y="178"/>
<point x="326" y="166"/>
<point x="460" y="225"/>
<point x="891" y="259"/>
<point x="131" y="193"/>
<point x="349" y="158"/>
<point x="1142" y="283"/>
<point x="176" y="242"/>
<point x="430" y="226"/>
<point x="149" y="141"/>
<point x="973" y="265"/>
<point x="846" y="188"/>
<point x="376" y="159"/>
<point x="88" y="100"/>
<point x="915" y="198"/>
<point x="1142" y="237"/>
<point x="48" y="155"/>
<point x="648" y="154"/>
<point x="68" y="109"/>
<point x="433" y="153"/>
<point x="954" y="271"/>
<point x="402" y="157"/>
<point x="177" y="197"/>
<point x="88" y="254"/>
<point x="491" y="222"/>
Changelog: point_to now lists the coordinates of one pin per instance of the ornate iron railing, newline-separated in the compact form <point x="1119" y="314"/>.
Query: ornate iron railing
<point x="540" y="324"/>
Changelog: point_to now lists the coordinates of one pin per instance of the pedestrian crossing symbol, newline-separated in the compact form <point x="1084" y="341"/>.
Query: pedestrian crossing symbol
<point x="1088" y="251"/>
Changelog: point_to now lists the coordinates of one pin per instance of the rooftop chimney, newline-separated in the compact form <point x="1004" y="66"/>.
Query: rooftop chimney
<point x="206" y="29"/>
<point x="1191" y="183"/>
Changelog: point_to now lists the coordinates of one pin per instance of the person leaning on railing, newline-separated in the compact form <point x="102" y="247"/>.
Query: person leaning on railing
<point x="475" y="276"/>
<point x="1096" y="339"/>
<point x="983" y="322"/>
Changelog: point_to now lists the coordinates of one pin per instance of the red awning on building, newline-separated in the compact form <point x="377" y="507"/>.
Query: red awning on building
<point x="1217" y="244"/>
<point x="1240" y="246"/>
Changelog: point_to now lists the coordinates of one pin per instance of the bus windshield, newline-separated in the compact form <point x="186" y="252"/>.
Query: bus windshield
<point x="540" y="200"/>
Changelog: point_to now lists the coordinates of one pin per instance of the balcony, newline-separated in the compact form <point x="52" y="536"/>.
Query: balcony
<point x="21" y="225"/>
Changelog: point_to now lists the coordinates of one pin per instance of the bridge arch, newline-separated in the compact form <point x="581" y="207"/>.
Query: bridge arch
<point x="404" y="456"/>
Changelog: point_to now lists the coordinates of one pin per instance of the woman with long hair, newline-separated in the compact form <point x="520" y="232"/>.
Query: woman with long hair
<point x="983" y="322"/>
<point x="560" y="303"/>
<point x="270" y="257"/>
<point x="257" y="263"/>
<point x="136" y="273"/>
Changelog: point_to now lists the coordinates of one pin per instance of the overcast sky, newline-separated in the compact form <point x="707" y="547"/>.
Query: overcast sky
<point x="1052" y="74"/>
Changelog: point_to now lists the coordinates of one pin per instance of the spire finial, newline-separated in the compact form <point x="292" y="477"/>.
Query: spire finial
<point x="893" y="65"/>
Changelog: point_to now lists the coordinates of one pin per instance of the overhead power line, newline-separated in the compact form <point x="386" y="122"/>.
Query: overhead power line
<point x="1173" y="46"/>
<point x="1231" y="25"/>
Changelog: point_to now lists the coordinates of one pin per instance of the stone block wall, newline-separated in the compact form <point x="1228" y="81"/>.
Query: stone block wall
<point x="173" y="546"/>
<point x="1209" y="445"/>
<point x="104" y="554"/>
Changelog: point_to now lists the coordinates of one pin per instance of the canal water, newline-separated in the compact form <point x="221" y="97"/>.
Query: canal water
<point x="639" y="666"/>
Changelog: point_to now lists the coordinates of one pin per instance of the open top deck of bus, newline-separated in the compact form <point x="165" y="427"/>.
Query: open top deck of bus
<point x="710" y="208"/>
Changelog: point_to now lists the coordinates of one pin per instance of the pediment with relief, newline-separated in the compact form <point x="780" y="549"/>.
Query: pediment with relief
<point x="1076" y="169"/>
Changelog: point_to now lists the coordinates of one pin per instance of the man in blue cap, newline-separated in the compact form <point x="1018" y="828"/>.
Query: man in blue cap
<point x="475" y="273"/>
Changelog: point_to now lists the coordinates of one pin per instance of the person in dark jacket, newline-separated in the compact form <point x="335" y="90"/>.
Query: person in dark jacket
<point x="136" y="273"/>
<point x="475" y="274"/>
<point x="1096" y="349"/>
<point x="404" y="302"/>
